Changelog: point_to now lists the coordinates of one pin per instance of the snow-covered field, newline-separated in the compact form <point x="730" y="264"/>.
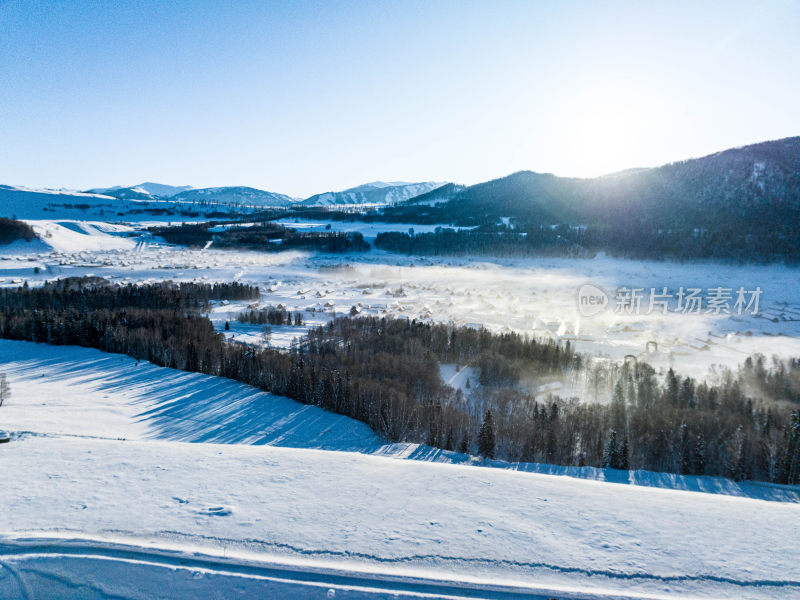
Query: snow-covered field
<point x="123" y="479"/>
<point x="99" y="476"/>
<point x="531" y="296"/>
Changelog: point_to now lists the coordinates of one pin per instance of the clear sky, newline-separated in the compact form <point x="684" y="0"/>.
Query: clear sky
<point x="305" y="97"/>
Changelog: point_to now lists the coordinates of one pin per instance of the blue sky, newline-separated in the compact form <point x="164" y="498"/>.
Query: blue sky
<point x="305" y="97"/>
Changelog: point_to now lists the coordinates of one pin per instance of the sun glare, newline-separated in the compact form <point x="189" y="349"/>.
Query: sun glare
<point x="608" y="126"/>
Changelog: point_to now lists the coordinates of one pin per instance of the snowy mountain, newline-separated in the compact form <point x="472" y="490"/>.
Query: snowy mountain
<point x="125" y="193"/>
<point x="439" y="194"/>
<point x="232" y="196"/>
<point x="755" y="183"/>
<point x="376" y="185"/>
<point x="143" y="191"/>
<point x="238" y="196"/>
<point x="161" y="190"/>
<point x="374" y="193"/>
<point x="130" y="203"/>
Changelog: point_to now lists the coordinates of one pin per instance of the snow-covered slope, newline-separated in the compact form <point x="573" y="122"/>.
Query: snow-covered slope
<point x="79" y="391"/>
<point x="74" y="236"/>
<point x="146" y="190"/>
<point x="373" y="194"/>
<point x="376" y="185"/>
<point x="99" y="451"/>
<point x="240" y="195"/>
<point x="27" y="203"/>
<point x="161" y="190"/>
<point x="367" y="512"/>
<point x="127" y="193"/>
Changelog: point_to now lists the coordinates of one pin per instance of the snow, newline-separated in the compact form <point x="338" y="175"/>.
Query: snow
<point x="77" y="236"/>
<point x="377" y="193"/>
<point x="191" y="482"/>
<point x="535" y="297"/>
<point x="456" y="376"/>
<point x="99" y="450"/>
<point x="70" y="391"/>
<point x="460" y="521"/>
<point x="84" y="392"/>
<point x="160" y="189"/>
<point x="27" y="203"/>
<point x="89" y="568"/>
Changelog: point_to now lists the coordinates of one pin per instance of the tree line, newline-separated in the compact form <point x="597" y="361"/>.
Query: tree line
<point x="12" y="230"/>
<point x="264" y="236"/>
<point x="271" y="315"/>
<point x="485" y="240"/>
<point x="385" y="373"/>
<point x="93" y="293"/>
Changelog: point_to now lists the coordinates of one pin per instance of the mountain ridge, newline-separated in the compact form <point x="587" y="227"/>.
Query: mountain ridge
<point x="372" y="194"/>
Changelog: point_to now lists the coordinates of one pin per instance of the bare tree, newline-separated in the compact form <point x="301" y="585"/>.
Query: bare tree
<point x="5" y="389"/>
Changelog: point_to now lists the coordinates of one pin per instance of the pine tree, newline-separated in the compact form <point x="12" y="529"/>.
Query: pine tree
<point x="685" y="451"/>
<point x="449" y="440"/>
<point x="789" y="469"/>
<point x="687" y="393"/>
<point x="738" y="462"/>
<point x="618" y="416"/>
<point x="611" y="453"/>
<point x="464" y="447"/>
<point x="624" y="462"/>
<point x="672" y="388"/>
<point x="486" y="436"/>
<point x="699" y="455"/>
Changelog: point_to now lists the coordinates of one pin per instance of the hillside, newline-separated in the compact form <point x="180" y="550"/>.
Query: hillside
<point x="235" y="196"/>
<point x="147" y="190"/>
<point x="27" y="203"/>
<point x="759" y="180"/>
<point x="372" y="194"/>
<point x="83" y="420"/>
<point x="439" y="194"/>
<point x="229" y="196"/>
<point x="740" y="203"/>
<point x="733" y="184"/>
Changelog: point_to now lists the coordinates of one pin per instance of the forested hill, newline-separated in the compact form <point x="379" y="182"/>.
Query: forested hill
<point x="743" y="202"/>
<point x="762" y="181"/>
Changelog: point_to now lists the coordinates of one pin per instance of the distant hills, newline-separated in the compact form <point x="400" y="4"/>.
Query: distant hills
<point x="25" y="203"/>
<point x="144" y="191"/>
<point x="156" y="199"/>
<point x="742" y="203"/>
<point x="233" y="196"/>
<point x="737" y="185"/>
<point x="377" y="193"/>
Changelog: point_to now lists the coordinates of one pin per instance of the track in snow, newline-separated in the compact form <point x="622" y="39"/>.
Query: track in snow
<point x="38" y="568"/>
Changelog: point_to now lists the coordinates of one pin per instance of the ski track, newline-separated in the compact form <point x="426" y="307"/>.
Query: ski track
<point x="30" y="552"/>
